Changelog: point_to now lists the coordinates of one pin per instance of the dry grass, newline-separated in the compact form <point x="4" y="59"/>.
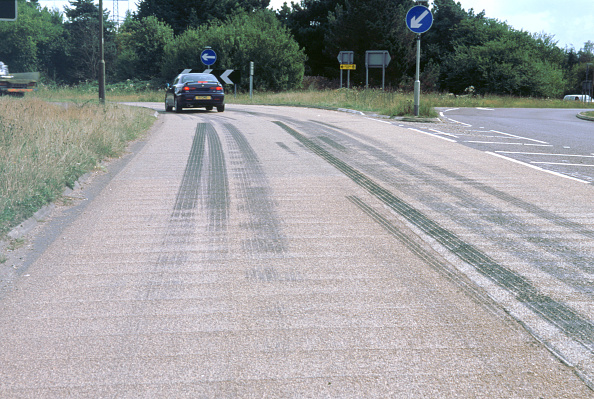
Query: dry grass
<point x="371" y="100"/>
<point x="45" y="147"/>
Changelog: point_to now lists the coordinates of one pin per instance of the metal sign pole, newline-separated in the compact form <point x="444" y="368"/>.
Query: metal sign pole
<point x="251" y="79"/>
<point x="417" y="77"/>
<point x="102" y="56"/>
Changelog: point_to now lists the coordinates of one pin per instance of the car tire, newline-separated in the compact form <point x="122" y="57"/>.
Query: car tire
<point x="220" y="108"/>
<point x="178" y="108"/>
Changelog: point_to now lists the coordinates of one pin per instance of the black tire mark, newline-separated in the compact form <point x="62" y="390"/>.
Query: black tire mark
<point x="556" y="313"/>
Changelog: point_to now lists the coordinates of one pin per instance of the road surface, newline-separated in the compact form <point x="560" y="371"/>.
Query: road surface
<point x="551" y="139"/>
<point x="293" y="252"/>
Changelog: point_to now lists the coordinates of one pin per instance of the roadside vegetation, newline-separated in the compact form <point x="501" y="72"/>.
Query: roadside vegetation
<point x="464" y="52"/>
<point x="46" y="147"/>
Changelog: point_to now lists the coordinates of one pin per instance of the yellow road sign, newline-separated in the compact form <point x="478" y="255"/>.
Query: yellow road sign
<point x="348" y="66"/>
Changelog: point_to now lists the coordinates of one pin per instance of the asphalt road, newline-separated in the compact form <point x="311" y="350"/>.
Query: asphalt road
<point x="552" y="139"/>
<point x="293" y="252"/>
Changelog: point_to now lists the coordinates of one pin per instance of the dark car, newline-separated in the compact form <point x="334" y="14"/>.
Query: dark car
<point x="195" y="90"/>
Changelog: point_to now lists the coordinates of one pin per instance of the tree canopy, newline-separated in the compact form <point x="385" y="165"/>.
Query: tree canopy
<point x="463" y="48"/>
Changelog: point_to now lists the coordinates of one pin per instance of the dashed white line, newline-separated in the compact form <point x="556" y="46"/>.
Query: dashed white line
<point x="444" y="133"/>
<point x="562" y="163"/>
<point x="545" y="154"/>
<point x="519" y="137"/>
<point x="537" y="168"/>
<point x="433" y="135"/>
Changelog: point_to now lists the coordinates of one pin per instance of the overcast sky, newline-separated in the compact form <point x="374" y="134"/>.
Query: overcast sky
<point x="570" y="22"/>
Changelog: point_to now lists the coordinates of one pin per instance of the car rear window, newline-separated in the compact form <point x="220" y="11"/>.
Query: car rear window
<point x="198" y="79"/>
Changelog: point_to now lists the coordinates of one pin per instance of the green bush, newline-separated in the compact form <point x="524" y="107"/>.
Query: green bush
<point x="245" y="37"/>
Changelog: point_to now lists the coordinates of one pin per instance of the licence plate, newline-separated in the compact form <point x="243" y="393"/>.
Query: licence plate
<point x="203" y="98"/>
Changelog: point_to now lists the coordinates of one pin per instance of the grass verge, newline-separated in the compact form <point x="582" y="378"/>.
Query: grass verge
<point x="371" y="100"/>
<point x="45" y="147"/>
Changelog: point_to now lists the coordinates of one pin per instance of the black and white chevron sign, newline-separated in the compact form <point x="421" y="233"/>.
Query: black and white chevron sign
<point x="229" y="76"/>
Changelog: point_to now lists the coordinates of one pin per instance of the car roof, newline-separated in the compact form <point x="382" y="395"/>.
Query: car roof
<point x="195" y="77"/>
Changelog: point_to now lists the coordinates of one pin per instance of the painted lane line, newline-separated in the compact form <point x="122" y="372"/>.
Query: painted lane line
<point x="507" y="143"/>
<point x="537" y="168"/>
<point x="433" y="135"/>
<point x="491" y="142"/>
<point x="545" y="154"/>
<point x="519" y="137"/>
<point x="453" y="120"/>
<point x="444" y="133"/>
<point x="378" y="120"/>
<point x="461" y="123"/>
<point x="485" y="109"/>
<point x="561" y="163"/>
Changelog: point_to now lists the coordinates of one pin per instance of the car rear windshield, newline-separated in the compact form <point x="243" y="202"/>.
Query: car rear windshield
<point x="198" y="78"/>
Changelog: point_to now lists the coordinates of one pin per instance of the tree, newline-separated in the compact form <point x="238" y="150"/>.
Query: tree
<point x="244" y="37"/>
<point x="82" y="29"/>
<point x="140" y="48"/>
<point x="188" y="14"/>
<point x="309" y="24"/>
<point x="494" y="58"/>
<point x="363" y="25"/>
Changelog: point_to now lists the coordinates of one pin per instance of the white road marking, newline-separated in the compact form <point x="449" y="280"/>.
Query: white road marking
<point x="519" y="137"/>
<point x="537" y="168"/>
<point x="545" y="154"/>
<point x="433" y="135"/>
<point x="444" y="133"/>
<point x="461" y="123"/>
<point x="378" y="120"/>
<point x="562" y="163"/>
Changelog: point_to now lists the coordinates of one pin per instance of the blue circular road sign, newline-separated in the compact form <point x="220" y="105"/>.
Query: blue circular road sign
<point x="419" y="19"/>
<point x="208" y="56"/>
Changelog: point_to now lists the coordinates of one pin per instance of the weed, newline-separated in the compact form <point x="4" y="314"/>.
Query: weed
<point x="45" y="147"/>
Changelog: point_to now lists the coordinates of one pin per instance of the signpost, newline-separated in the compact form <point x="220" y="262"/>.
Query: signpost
<point x="208" y="56"/>
<point x="376" y="59"/>
<point x="345" y="58"/>
<point x="418" y="19"/>
<point x="8" y="10"/>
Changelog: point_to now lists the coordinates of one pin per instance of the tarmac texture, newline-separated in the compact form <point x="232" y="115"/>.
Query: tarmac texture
<point x="298" y="253"/>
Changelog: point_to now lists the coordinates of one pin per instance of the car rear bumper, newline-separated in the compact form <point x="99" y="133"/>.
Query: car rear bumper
<point x="201" y="100"/>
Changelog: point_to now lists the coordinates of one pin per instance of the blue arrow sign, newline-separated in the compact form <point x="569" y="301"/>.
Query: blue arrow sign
<point x="208" y="56"/>
<point x="419" y="19"/>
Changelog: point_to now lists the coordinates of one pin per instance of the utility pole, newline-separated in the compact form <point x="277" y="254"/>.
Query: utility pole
<point x="102" y="52"/>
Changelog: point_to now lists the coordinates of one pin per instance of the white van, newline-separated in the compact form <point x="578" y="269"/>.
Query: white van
<point x="577" y="97"/>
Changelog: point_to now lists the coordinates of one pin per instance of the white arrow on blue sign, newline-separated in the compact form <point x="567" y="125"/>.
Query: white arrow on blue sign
<point x="208" y="56"/>
<point x="419" y="19"/>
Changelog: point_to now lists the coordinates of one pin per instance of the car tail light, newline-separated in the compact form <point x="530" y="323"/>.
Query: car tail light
<point x="217" y="89"/>
<point x="186" y="88"/>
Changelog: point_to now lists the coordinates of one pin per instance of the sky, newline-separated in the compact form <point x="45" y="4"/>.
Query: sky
<point x="571" y="23"/>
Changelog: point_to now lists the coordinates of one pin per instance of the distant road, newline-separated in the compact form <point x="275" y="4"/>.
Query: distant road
<point x="552" y="139"/>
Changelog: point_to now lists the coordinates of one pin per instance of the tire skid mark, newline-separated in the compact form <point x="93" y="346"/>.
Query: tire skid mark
<point x="539" y="249"/>
<point x="208" y="188"/>
<point x="558" y="314"/>
<point x="434" y="261"/>
<point x="541" y="213"/>
<point x="253" y="187"/>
